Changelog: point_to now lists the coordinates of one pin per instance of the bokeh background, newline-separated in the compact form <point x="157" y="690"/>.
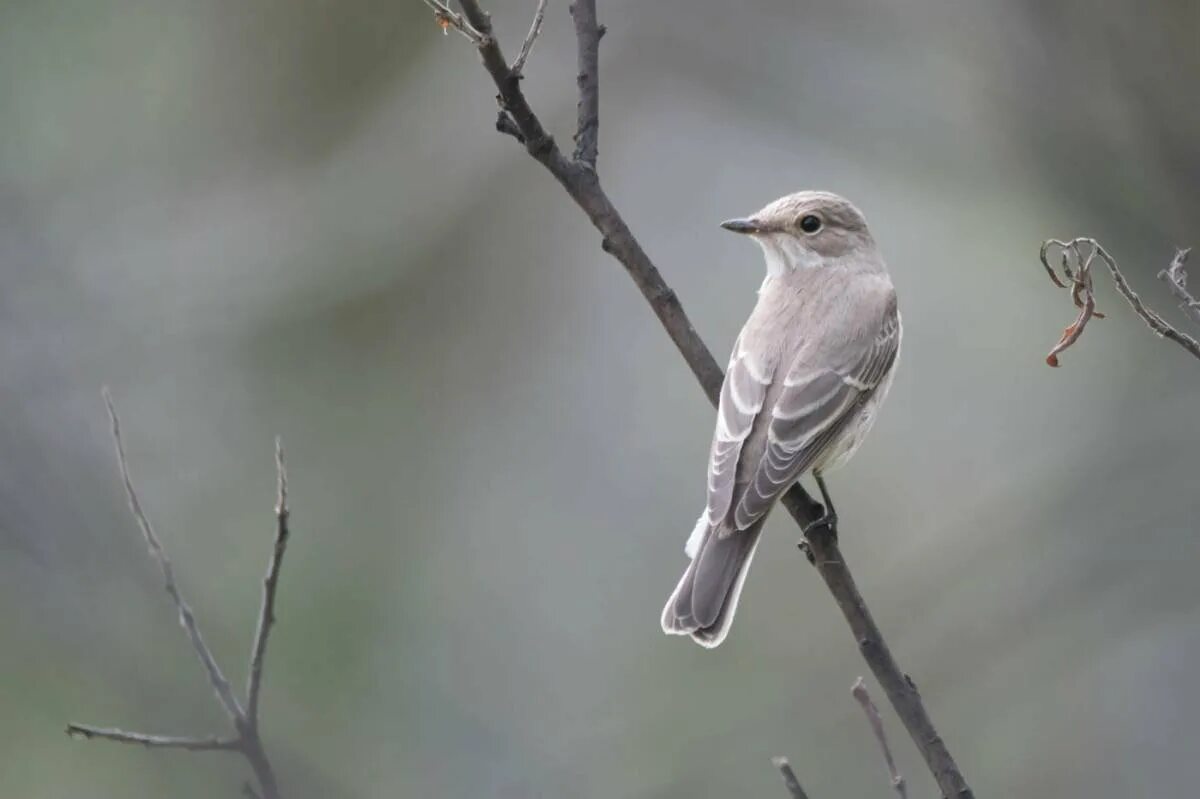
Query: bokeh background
<point x="293" y="217"/>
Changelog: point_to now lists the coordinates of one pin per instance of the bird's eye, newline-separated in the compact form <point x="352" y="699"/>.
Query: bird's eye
<point x="810" y="223"/>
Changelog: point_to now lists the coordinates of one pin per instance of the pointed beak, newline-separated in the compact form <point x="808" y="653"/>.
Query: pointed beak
<point x="742" y="225"/>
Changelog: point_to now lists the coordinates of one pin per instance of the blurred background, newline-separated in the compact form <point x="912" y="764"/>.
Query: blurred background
<point x="294" y="217"/>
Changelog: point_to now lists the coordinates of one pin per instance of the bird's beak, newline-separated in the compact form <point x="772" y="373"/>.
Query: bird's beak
<point x="743" y="225"/>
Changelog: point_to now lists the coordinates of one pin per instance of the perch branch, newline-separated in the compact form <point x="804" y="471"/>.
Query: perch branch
<point x="1075" y="260"/>
<point x="246" y="741"/>
<point x="580" y="180"/>
<point x="859" y="690"/>
<point x="789" y="777"/>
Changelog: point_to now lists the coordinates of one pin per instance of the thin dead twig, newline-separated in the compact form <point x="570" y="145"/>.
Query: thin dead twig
<point x="216" y="677"/>
<point x="859" y="690"/>
<point x="266" y="615"/>
<point x="150" y="741"/>
<point x="1075" y="260"/>
<point x="1176" y="278"/>
<point x="535" y="30"/>
<point x="789" y="777"/>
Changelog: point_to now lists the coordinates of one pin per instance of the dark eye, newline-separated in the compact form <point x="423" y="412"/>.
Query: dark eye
<point x="810" y="223"/>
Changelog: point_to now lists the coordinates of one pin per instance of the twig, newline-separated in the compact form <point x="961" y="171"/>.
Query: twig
<point x="859" y="689"/>
<point x="535" y="30"/>
<point x="449" y="19"/>
<point x="581" y="182"/>
<point x="1076" y="258"/>
<point x="587" y="34"/>
<point x="246" y="741"/>
<point x="215" y="676"/>
<point x="153" y="741"/>
<point x="1176" y="277"/>
<point x="266" y="616"/>
<point x="789" y="778"/>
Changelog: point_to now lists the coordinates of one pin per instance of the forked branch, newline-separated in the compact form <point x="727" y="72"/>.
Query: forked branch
<point x="245" y="739"/>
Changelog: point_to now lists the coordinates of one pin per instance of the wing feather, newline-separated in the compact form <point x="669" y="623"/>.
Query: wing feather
<point x="742" y="397"/>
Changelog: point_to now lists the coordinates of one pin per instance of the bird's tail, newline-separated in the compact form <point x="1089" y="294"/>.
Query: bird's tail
<point x="703" y="603"/>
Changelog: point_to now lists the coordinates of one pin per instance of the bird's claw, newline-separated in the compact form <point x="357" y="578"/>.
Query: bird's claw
<point x="827" y="520"/>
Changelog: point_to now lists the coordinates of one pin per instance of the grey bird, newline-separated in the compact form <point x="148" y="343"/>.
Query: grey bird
<point x="804" y="383"/>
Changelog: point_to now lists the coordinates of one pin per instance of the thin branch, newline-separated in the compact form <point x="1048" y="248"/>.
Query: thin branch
<point x="583" y="185"/>
<point x="153" y="741"/>
<point x="266" y="615"/>
<point x="859" y="690"/>
<point x="789" y="777"/>
<point x="1076" y="258"/>
<point x="518" y="64"/>
<point x="1176" y="278"/>
<point x="216" y="678"/>
<point x="587" y="35"/>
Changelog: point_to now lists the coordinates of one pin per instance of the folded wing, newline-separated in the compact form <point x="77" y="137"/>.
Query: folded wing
<point x="822" y="392"/>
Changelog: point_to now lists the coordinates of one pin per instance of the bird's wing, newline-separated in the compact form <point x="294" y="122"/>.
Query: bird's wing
<point x="742" y="396"/>
<point x="822" y="390"/>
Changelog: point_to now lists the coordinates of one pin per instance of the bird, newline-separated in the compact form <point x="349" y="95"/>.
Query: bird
<point x="808" y="373"/>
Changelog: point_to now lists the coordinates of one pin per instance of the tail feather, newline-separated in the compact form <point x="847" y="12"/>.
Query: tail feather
<point x="706" y="598"/>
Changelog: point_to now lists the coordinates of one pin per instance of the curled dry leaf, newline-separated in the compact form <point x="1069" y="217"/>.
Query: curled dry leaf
<point x="1075" y="261"/>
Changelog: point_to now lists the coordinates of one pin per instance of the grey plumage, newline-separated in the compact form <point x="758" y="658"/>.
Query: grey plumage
<point x="807" y="373"/>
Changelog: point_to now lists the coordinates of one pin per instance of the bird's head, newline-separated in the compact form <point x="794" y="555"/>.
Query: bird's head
<point x="808" y="229"/>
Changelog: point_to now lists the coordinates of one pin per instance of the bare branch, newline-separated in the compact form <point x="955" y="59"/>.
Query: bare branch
<point x="1076" y="258"/>
<point x="449" y="19"/>
<point x="581" y="182"/>
<point x="215" y="676"/>
<point x="246" y="741"/>
<point x="587" y="35"/>
<point x="1176" y="278"/>
<point x="535" y="30"/>
<point x="860" y="692"/>
<point x="266" y="615"/>
<point x="153" y="741"/>
<point x="789" y="777"/>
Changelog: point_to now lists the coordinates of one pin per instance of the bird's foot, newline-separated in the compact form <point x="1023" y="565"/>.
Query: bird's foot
<point x="827" y="521"/>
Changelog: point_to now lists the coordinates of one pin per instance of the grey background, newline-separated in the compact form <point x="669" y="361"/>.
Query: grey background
<point x="294" y="218"/>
